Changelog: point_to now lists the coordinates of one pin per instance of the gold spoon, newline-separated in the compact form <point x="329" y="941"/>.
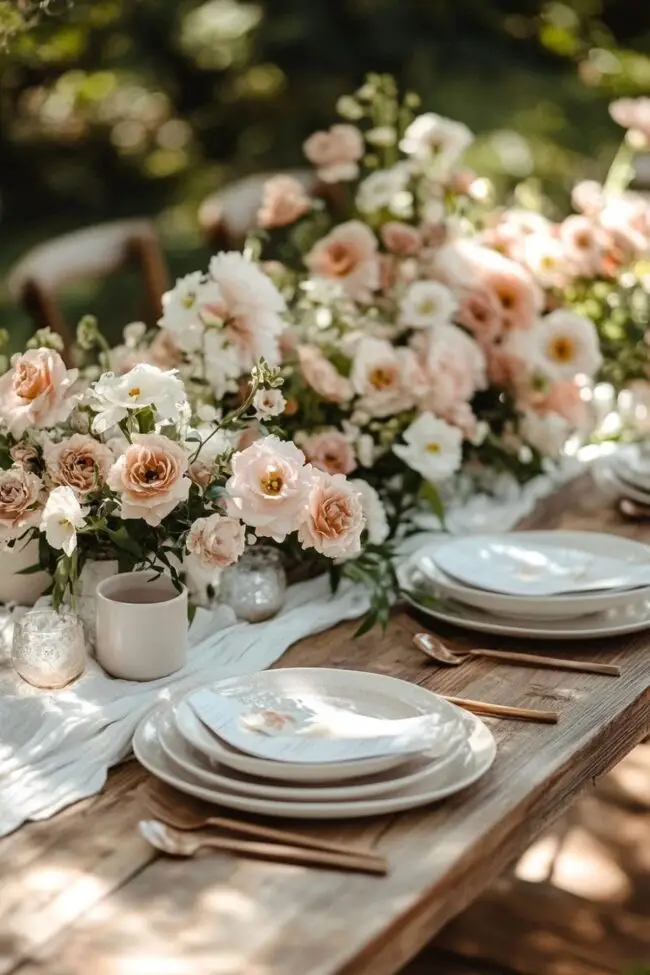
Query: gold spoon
<point x="436" y="650"/>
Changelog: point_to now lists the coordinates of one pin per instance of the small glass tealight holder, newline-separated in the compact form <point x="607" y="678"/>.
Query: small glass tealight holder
<point x="255" y="586"/>
<point x="49" y="648"/>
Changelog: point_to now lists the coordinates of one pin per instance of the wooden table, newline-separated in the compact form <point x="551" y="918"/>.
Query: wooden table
<point x="84" y="894"/>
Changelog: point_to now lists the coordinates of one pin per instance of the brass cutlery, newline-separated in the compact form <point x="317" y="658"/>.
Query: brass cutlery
<point x="436" y="650"/>
<point x="177" y="842"/>
<point x="487" y="710"/>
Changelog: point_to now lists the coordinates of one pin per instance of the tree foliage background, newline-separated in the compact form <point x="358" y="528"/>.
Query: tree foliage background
<point x="128" y="107"/>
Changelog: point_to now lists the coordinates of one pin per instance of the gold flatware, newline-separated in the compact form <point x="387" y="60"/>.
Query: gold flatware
<point x="487" y="710"/>
<point x="181" y="843"/>
<point x="183" y="813"/>
<point x="436" y="650"/>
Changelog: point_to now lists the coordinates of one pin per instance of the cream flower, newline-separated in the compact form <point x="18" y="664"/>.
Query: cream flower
<point x="20" y="501"/>
<point x="565" y="345"/>
<point x="216" y="541"/>
<point x="283" y="201"/>
<point x="79" y="462"/>
<point x="61" y="518"/>
<point x="456" y="367"/>
<point x="427" y="304"/>
<point x="433" y="448"/>
<point x="374" y="513"/>
<point x="334" y="520"/>
<point x="386" y="378"/>
<point x="269" y="487"/>
<point x="151" y="478"/>
<point x="113" y="397"/>
<point x="588" y="197"/>
<point x="328" y="451"/>
<point x="545" y="432"/>
<point x="187" y="308"/>
<point x="335" y="153"/>
<point x="544" y="256"/>
<point x="36" y="392"/>
<point x="268" y="403"/>
<point x="582" y="244"/>
<point x="432" y="137"/>
<point x="319" y="373"/>
<point x="633" y="114"/>
<point x="381" y="189"/>
<point x="348" y="255"/>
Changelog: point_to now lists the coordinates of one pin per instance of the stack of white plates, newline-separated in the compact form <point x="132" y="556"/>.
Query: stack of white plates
<point x="546" y="584"/>
<point x="410" y="747"/>
<point x="626" y="473"/>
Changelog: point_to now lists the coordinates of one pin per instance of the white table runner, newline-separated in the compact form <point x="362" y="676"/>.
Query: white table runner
<point x="56" y="746"/>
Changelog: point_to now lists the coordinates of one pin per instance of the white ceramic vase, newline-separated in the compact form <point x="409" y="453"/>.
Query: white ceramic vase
<point x="141" y="626"/>
<point x="14" y="587"/>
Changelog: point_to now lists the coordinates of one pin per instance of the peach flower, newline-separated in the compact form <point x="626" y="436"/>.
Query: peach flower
<point x="582" y="244"/>
<point x="386" y="378"/>
<point x="456" y="369"/>
<point x="269" y="487"/>
<point x="334" y="519"/>
<point x="329" y="451"/>
<point x="564" y="399"/>
<point x="400" y="238"/>
<point x="319" y="373"/>
<point x="335" y="153"/>
<point x="79" y="462"/>
<point x="348" y="255"/>
<point x="25" y="455"/>
<point x="633" y="114"/>
<point x="151" y="477"/>
<point x="36" y="392"/>
<point x="216" y="541"/>
<point x="20" y="501"/>
<point x="479" y="312"/>
<point x="284" y="200"/>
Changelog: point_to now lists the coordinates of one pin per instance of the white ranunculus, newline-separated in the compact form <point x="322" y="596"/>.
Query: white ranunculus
<point x="112" y="397"/>
<point x="433" y="448"/>
<point x="374" y="513"/>
<point x="378" y="190"/>
<point x="62" y="516"/>
<point x="431" y="137"/>
<point x="194" y="302"/>
<point x="427" y="304"/>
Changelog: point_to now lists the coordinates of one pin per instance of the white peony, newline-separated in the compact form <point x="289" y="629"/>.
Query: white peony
<point x="427" y="304"/>
<point x="112" y="397"/>
<point x="374" y="513"/>
<point x="194" y="301"/>
<point x="433" y="448"/>
<point x="431" y="137"/>
<point x="379" y="190"/>
<point x="62" y="516"/>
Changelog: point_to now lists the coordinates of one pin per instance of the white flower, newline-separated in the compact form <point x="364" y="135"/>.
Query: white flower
<point x="427" y="304"/>
<point x="379" y="190"/>
<point x="268" y="403"/>
<point x="387" y="379"/>
<point x="62" y="516"/>
<point x="433" y="448"/>
<point x="112" y="397"/>
<point x="546" y="432"/>
<point x="374" y="513"/>
<point x="187" y="308"/>
<point x="545" y="257"/>
<point x="220" y="366"/>
<point x="560" y="346"/>
<point x="133" y="334"/>
<point x="432" y="137"/>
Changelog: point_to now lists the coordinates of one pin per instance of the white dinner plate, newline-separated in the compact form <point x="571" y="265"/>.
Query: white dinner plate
<point x="375" y="695"/>
<point x="219" y="776"/>
<point x="542" y="563"/>
<point x="633" y="466"/>
<point x="478" y="758"/>
<point x="560" y="607"/>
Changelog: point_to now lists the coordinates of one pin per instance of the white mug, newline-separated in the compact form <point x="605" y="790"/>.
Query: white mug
<point x="141" y="626"/>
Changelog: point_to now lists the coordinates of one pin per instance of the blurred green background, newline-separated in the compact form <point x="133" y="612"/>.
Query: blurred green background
<point x="116" y="108"/>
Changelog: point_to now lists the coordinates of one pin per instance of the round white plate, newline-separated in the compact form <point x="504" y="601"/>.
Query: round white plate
<point x="542" y="563"/>
<point x="218" y="776"/>
<point x="437" y="785"/>
<point x="633" y="466"/>
<point x="560" y="607"/>
<point x="371" y="694"/>
<point x="615" y="622"/>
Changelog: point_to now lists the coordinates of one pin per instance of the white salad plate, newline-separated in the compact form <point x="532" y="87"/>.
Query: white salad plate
<point x="220" y="777"/>
<point x="542" y="564"/>
<point x="375" y="695"/>
<point x="476" y="760"/>
<point x="559" y="607"/>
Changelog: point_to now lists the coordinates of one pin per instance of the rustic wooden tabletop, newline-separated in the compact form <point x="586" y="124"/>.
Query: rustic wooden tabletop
<point x="83" y="893"/>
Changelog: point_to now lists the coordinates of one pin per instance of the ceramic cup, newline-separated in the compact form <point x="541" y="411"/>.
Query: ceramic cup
<point x="141" y="626"/>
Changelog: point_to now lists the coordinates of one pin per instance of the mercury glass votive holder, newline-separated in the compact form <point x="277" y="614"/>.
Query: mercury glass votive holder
<point x="49" y="648"/>
<point x="255" y="586"/>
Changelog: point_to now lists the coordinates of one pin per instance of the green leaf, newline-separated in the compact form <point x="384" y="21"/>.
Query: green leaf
<point x="429" y="493"/>
<point x="191" y="612"/>
<point x="121" y="538"/>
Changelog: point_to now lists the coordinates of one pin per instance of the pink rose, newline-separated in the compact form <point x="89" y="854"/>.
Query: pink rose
<point x="329" y="451"/>
<point x="633" y="114"/>
<point x="479" y="312"/>
<point x="456" y="369"/>
<point x="319" y="373"/>
<point x="582" y="242"/>
<point x="79" y="462"/>
<point x="24" y="455"/>
<point x="387" y="379"/>
<point x="21" y="501"/>
<point x="563" y="398"/>
<point x="36" y="392"/>
<point x="151" y="477"/>
<point x="335" y="153"/>
<point x="216" y="541"/>
<point x="334" y="519"/>
<point x="269" y="487"/>
<point x="400" y="238"/>
<point x="284" y="200"/>
<point x="348" y="254"/>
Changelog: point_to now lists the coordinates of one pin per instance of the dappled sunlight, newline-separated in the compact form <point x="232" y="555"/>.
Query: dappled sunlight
<point x="536" y="864"/>
<point x="588" y="868"/>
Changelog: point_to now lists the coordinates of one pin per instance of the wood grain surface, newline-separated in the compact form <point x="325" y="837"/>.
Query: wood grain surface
<point x="83" y="894"/>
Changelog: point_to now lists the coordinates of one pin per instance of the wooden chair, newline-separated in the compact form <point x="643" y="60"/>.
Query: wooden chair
<point x="227" y="216"/>
<point x="93" y="252"/>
